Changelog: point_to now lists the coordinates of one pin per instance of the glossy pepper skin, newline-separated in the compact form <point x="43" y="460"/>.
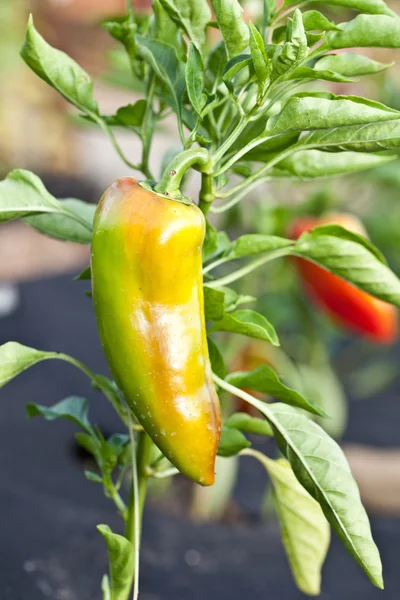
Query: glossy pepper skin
<point x="347" y="305"/>
<point x="148" y="297"/>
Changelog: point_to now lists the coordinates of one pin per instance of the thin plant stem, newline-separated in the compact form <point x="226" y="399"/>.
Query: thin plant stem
<point x="249" y="267"/>
<point x="136" y="512"/>
<point x="236" y="199"/>
<point x="115" y="144"/>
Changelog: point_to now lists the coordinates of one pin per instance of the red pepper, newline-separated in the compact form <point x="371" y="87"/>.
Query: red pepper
<point x="347" y="305"/>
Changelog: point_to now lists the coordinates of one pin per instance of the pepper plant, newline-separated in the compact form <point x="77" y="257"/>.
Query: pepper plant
<point x="242" y="121"/>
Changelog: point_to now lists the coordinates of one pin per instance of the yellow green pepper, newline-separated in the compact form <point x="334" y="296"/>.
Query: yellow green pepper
<point x="148" y="297"/>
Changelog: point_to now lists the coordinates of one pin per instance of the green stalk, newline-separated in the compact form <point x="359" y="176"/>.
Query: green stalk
<point x="172" y="177"/>
<point x="134" y="514"/>
<point x="207" y="194"/>
<point x="249" y="268"/>
<point x="143" y="459"/>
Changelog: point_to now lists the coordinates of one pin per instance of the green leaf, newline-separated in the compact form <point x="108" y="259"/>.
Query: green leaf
<point x="247" y="322"/>
<point x="58" y="70"/>
<point x="287" y="57"/>
<point x="345" y="234"/>
<point x="260" y="59"/>
<point x="314" y="20"/>
<point x="350" y="64"/>
<point x="213" y="304"/>
<point x="322" y="469"/>
<point x="232" y="299"/>
<point x="309" y="73"/>
<point x="130" y="115"/>
<point x="194" y="74"/>
<point x="163" y="60"/>
<point x="257" y="243"/>
<point x="93" y="477"/>
<point x="374" y="7"/>
<point x="125" y="32"/>
<point x="216" y="358"/>
<point x="365" y="31"/>
<point x="192" y="16"/>
<point x="235" y="32"/>
<point x="22" y="193"/>
<point x="105" y="588"/>
<point x="232" y="442"/>
<point x="216" y="62"/>
<point x="234" y="66"/>
<point x="264" y="379"/>
<point x="372" y="137"/>
<point x="244" y="422"/>
<point x="84" y="275"/>
<point x="121" y="557"/>
<point x="91" y="444"/>
<point x="351" y="261"/>
<point x="164" y="29"/>
<point x="73" y="408"/>
<point x="15" y="358"/>
<point x="310" y="164"/>
<point x="64" y="227"/>
<point x="308" y="112"/>
<point x="305" y="530"/>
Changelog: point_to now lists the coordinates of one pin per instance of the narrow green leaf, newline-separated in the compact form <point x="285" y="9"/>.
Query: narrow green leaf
<point x="310" y="164"/>
<point x="260" y="59"/>
<point x="305" y="530"/>
<point x="308" y="112"/>
<point x="350" y="64"/>
<point x="371" y="137"/>
<point x="58" y="70"/>
<point x="73" y="408"/>
<point x="244" y="422"/>
<point x="64" y="227"/>
<point x="194" y="74"/>
<point x="232" y="442"/>
<point x="235" y="32"/>
<point x="247" y="322"/>
<point x="257" y="243"/>
<point x="353" y="262"/>
<point x="121" y="558"/>
<point x="366" y="31"/>
<point x="93" y="477"/>
<point x="235" y="65"/>
<point x="264" y="379"/>
<point x="326" y="75"/>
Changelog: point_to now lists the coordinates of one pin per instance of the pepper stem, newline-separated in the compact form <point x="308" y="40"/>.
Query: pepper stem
<point x="171" y="179"/>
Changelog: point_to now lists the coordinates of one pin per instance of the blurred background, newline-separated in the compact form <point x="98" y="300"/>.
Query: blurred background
<point x="49" y="547"/>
